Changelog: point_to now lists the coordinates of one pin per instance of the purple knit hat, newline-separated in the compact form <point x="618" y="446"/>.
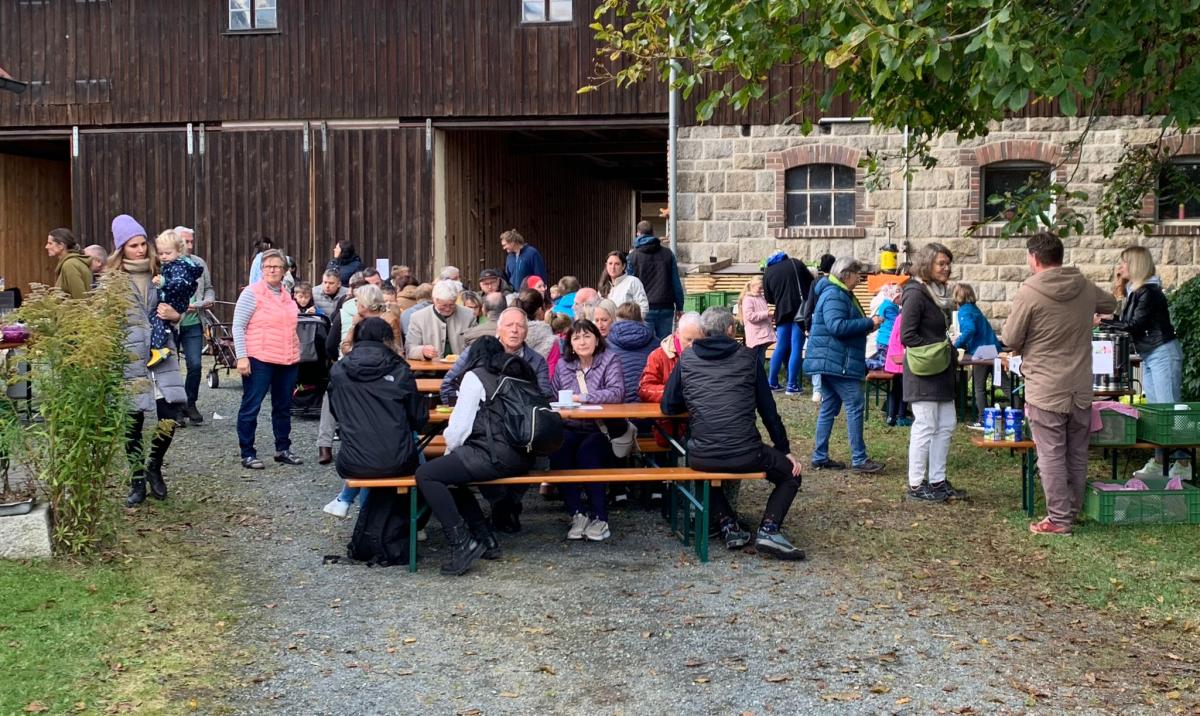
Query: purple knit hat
<point x="124" y="228"/>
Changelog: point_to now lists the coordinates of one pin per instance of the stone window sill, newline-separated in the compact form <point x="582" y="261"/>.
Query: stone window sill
<point x="820" y="232"/>
<point x="1176" y="228"/>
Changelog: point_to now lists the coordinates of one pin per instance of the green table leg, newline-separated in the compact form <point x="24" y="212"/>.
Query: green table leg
<point x="1029" y="482"/>
<point x="702" y="523"/>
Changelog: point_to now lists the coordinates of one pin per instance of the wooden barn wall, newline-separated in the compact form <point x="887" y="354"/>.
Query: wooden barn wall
<point x="237" y="186"/>
<point x="572" y="219"/>
<point x="373" y="192"/>
<point x="35" y="197"/>
<point x="153" y="62"/>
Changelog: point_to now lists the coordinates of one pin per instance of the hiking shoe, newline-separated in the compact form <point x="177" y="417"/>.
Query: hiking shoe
<point x="287" y="457"/>
<point x="794" y="391"/>
<point x="252" y="463"/>
<point x="193" y="414"/>
<point x="868" y="467"/>
<point x="337" y="508"/>
<point x="1183" y="472"/>
<point x="774" y="544"/>
<point x="925" y="493"/>
<point x="950" y="491"/>
<point x="1046" y="527"/>
<point x="579" y="523"/>
<point x="735" y="537"/>
<point x="1152" y="468"/>
<point x="137" y="492"/>
<point x="827" y="464"/>
<point x="597" y="530"/>
<point x="775" y="388"/>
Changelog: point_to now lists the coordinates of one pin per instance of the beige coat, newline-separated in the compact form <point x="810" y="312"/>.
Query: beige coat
<point x="1050" y="327"/>
<point x="426" y="329"/>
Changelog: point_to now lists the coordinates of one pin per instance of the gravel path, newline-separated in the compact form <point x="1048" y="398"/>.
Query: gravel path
<point x="633" y="625"/>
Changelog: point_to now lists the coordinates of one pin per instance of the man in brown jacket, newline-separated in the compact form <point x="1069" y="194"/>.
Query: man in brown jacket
<point x="1050" y="327"/>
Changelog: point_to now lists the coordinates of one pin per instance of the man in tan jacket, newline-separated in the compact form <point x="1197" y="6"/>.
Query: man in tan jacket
<point x="1050" y="327"/>
<point x="437" y="331"/>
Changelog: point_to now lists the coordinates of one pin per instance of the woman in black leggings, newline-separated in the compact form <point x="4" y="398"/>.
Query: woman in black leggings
<point x="471" y="456"/>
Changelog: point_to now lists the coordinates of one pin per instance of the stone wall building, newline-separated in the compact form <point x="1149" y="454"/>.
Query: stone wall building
<point x="746" y="191"/>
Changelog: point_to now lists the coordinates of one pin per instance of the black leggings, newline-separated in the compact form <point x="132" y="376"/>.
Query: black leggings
<point x="896" y="407"/>
<point x="779" y="473"/>
<point x="167" y="415"/>
<point x="451" y="506"/>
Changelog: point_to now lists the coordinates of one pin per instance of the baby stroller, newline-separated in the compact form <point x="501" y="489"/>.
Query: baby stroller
<point x="313" y="376"/>
<point x="219" y="344"/>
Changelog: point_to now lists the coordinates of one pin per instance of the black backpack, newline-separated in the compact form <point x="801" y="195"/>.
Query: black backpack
<point x="805" y="314"/>
<point x="381" y="531"/>
<point x="530" y="425"/>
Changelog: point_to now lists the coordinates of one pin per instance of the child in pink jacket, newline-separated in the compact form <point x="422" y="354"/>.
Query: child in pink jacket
<point x="756" y="316"/>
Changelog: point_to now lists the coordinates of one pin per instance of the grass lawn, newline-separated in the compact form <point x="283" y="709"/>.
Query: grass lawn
<point x="139" y="629"/>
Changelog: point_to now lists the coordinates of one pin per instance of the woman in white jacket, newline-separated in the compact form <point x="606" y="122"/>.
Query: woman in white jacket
<point x="616" y="285"/>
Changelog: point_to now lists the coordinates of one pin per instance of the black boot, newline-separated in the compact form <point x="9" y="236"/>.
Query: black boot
<point x="137" y="492"/>
<point x="464" y="550"/>
<point x="158" y="486"/>
<point x="158" y="451"/>
<point x="484" y="536"/>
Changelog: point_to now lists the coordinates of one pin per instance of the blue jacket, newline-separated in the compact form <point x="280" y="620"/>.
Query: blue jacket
<point x="632" y="342"/>
<point x="523" y="264"/>
<point x="889" y="311"/>
<point x="837" y="340"/>
<point x="974" y="330"/>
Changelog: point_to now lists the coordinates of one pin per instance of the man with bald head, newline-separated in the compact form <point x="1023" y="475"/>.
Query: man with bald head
<point x="585" y="297"/>
<point x="511" y="330"/>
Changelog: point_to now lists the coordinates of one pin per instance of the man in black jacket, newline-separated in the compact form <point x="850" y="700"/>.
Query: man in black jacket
<point x="720" y="384"/>
<point x="655" y="266"/>
<point x="786" y="284"/>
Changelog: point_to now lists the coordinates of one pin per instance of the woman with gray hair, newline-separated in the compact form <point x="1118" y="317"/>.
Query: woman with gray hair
<point x="837" y="345"/>
<point x="929" y="373"/>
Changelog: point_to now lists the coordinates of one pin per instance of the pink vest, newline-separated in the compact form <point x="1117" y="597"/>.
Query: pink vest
<point x="894" y="363"/>
<point x="271" y="334"/>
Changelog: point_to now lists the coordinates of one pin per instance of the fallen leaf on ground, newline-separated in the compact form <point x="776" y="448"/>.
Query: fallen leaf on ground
<point x="777" y="678"/>
<point x="509" y="695"/>
<point x="701" y="680"/>
<point x="36" y="707"/>
<point x="841" y="696"/>
<point x="903" y="700"/>
<point x="547" y="669"/>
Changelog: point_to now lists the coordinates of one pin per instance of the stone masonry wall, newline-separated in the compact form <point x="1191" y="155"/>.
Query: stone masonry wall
<point x="731" y="199"/>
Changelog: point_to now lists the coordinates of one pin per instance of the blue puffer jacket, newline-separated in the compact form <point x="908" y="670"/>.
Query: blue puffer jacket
<point x="974" y="330"/>
<point x="837" y="340"/>
<point x="632" y="342"/>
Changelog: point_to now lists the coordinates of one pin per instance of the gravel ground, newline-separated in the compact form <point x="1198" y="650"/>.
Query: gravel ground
<point x="633" y="625"/>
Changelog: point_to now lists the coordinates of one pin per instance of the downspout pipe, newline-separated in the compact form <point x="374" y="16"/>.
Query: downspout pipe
<point x="672" y="153"/>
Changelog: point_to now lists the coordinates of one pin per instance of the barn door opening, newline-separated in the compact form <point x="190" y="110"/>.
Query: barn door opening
<point x="35" y="197"/>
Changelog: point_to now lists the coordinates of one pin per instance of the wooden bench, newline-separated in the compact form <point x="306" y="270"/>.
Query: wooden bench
<point x="696" y="509"/>
<point x="878" y="381"/>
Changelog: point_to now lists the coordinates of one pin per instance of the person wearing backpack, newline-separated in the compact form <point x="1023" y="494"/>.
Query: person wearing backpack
<point x="786" y="284"/>
<point x="479" y="447"/>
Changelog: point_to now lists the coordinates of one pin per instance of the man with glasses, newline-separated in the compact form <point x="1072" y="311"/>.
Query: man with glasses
<point x="437" y="331"/>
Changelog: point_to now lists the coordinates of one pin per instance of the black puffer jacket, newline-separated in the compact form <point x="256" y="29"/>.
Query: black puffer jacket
<point x="923" y="323"/>
<point x="786" y="284"/>
<point x="373" y="395"/>
<point x="1147" y="318"/>
<point x="721" y="384"/>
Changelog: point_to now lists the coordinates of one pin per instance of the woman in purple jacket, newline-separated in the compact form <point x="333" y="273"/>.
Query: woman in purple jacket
<point x="594" y="376"/>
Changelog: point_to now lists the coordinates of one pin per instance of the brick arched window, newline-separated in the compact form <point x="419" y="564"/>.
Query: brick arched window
<point x="1172" y="208"/>
<point x="999" y="167"/>
<point x="818" y="193"/>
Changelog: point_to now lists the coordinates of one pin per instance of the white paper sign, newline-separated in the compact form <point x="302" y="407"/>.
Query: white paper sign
<point x="384" y="267"/>
<point x="1014" y="365"/>
<point x="1102" y="357"/>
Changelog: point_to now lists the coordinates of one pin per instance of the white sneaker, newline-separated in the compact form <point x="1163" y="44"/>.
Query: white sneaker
<point x="337" y="508"/>
<point x="597" y="531"/>
<point x="1151" y="469"/>
<point x="1183" y="472"/>
<point x="578" y="524"/>
<point x="422" y="535"/>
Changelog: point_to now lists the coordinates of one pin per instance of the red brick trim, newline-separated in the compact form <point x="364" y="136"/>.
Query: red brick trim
<point x="1185" y="146"/>
<point x="839" y="154"/>
<point x="1009" y="150"/>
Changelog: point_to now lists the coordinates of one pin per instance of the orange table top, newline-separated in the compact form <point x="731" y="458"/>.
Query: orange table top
<point x="429" y="366"/>
<point x="636" y="411"/>
<point x="429" y="385"/>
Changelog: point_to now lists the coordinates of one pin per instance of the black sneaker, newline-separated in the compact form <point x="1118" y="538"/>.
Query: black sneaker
<point x="774" y="544"/>
<point x="951" y="493"/>
<point x="925" y="493"/>
<point x="288" y="458"/>
<point x="828" y="464"/>
<point x="194" y="415"/>
<point x="735" y="537"/>
<point x="868" y="467"/>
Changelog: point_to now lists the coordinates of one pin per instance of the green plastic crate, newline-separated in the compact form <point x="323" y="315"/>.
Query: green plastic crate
<point x="1143" y="507"/>
<point x="1169" y="423"/>
<point x="731" y="298"/>
<point x="716" y="298"/>
<point x="694" y="302"/>
<point x="1118" y="429"/>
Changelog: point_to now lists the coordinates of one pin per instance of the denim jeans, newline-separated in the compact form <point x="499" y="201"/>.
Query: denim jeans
<point x="789" y="348"/>
<point x="1162" y="381"/>
<point x="662" y="320"/>
<point x="835" y="391"/>
<point x="280" y="380"/>
<point x="191" y="342"/>
<point x="584" y="450"/>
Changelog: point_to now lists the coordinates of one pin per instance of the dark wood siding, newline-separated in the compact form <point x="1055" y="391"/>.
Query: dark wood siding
<point x="148" y="61"/>
<point x="572" y="219"/>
